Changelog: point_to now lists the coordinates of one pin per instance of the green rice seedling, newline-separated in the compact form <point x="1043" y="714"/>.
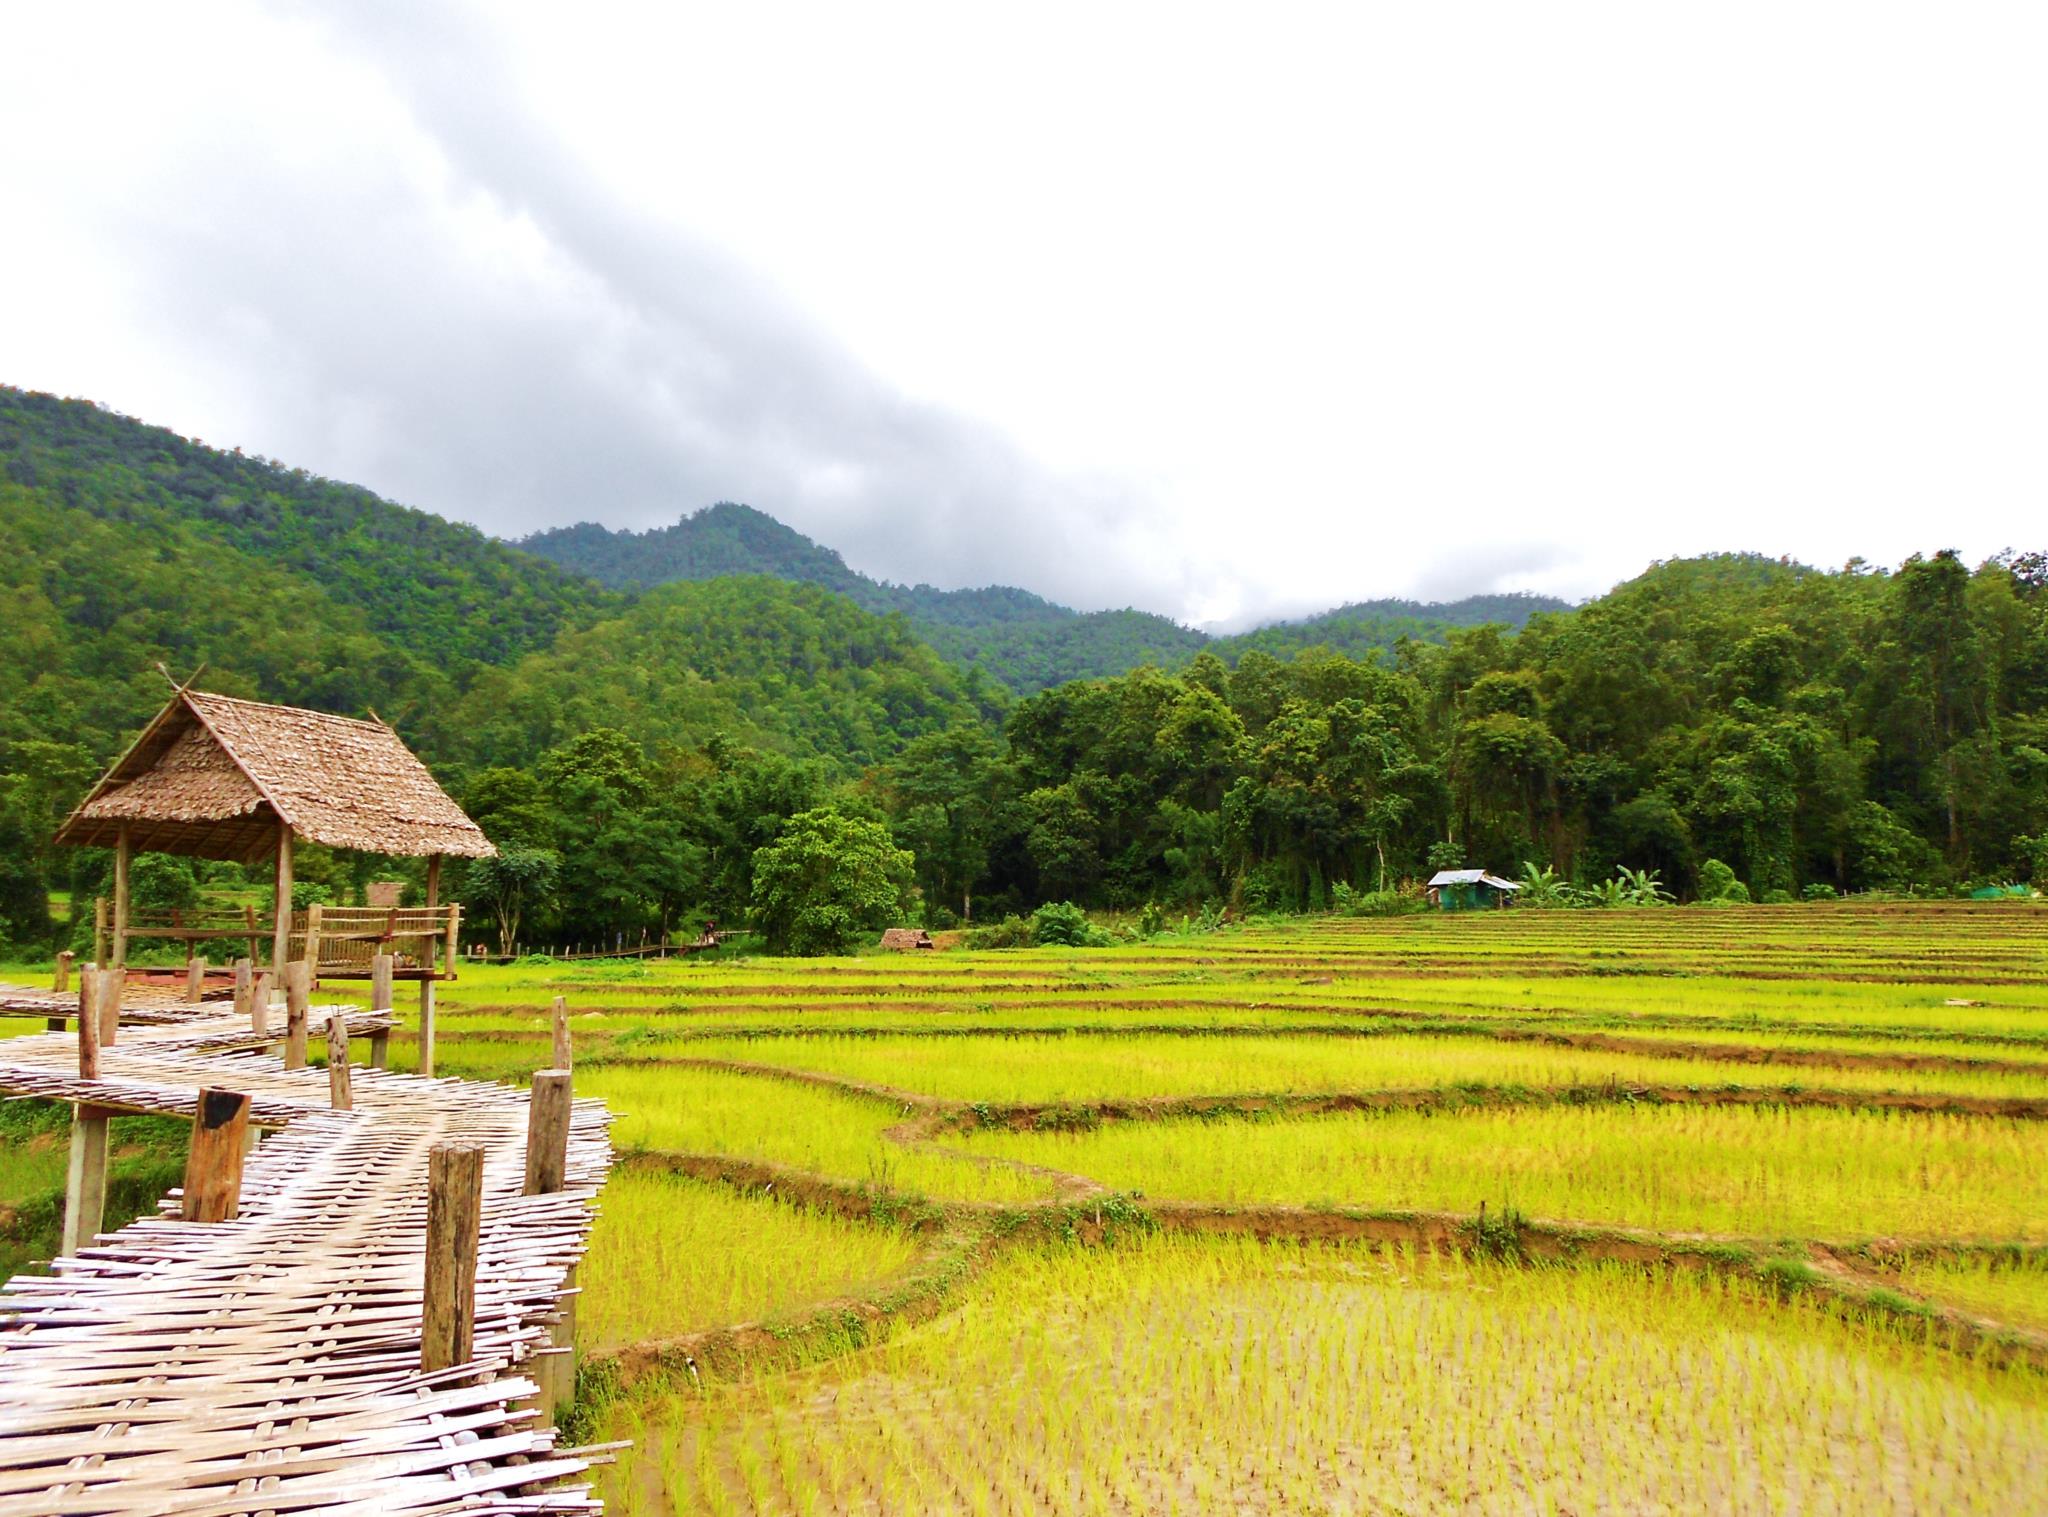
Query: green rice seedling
<point x="671" y="1255"/>
<point x="2005" y="1286"/>
<point x="1769" y="1171"/>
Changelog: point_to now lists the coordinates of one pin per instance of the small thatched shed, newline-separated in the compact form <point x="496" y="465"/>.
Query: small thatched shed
<point x="219" y="778"/>
<point x="907" y="938"/>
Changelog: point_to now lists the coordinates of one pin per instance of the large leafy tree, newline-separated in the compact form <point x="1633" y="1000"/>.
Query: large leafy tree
<point x="829" y="881"/>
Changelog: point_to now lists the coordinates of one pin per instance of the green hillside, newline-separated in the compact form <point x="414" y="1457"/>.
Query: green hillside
<point x="1021" y="640"/>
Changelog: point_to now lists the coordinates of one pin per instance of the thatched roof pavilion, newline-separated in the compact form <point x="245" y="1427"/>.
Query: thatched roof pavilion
<point x="219" y="778"/>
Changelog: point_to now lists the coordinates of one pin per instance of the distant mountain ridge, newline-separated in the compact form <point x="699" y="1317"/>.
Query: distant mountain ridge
<point x="1022" y="640"/>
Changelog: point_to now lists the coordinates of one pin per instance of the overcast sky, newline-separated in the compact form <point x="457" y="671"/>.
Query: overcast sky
<point x="1227" y="313"/>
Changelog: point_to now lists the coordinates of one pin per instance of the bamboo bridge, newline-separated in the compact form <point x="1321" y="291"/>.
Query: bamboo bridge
<point x="272" y="1361"/>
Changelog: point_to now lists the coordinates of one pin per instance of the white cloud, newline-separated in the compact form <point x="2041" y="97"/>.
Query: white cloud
<point x="1228" y="318"/>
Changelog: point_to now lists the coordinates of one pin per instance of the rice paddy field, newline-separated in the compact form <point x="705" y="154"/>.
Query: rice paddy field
<point x="1659" y="1210"/>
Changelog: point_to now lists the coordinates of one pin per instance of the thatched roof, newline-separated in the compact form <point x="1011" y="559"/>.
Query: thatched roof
<point x="907" y="937"/>
<point x="213" y="776"/>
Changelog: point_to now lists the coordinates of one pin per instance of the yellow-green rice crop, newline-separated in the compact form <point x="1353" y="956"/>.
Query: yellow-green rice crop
<point x="1769" y="1171"/>
<point x="2007" y="1288"/>
<point x="671" y="1255"/>
<point x="1220" y="1376"/>
<point x="803" y="1127"/>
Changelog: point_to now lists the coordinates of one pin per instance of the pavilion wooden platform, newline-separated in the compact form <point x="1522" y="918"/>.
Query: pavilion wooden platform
<point x="270" y="1363"/>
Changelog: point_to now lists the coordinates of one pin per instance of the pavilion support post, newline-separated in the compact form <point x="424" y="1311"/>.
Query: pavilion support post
<point x="213" y="1165"/>
<point x="260" y="1002"/>
<point x="245" y="990"/>
<point x="106" y="997"/>
<point x="455" y="1204"/>
<point x="564" y="1053"/>
<point x="85" y="1181"/>
<point x="426" y="1032"/>
<point x="433" y="901"/>
<point x="121" y="852"/>
<point x="313" y="938"/>
<point x="298" y="996"/>
<point x="547" y="1132"/>
<point x="381" y="968"/>
<point x="99" y="932"/>
<point x="281" y="924"/>
<point x="195" y="978"/>
<point x="340" y="1087"/>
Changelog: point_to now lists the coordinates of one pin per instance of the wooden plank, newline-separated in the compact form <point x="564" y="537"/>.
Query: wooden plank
<point x="455" y="1181"/>
<point x="213" y="1164"/>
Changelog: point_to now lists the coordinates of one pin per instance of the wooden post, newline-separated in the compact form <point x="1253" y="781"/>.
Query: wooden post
<point x="213" y="1166"/>
<point x="259" y="1002"/>
<point x="89" y="1025"/>
<point x="454" y="932"/>
<point x="99" y="932"/>
<point x="281" y="925"/>
<point x="195" y="978"/>
<point x="455" y="1204"/>
<point x="245" y="990"/>
<point x="556" y="1372"/>
<point x="433" y="900"/>
<point x="106" y="999"/>
<point x="340" y="1091"/>
<point x="85" y="1181"/>
<point x="120" y="960"/>
<point x="564" y="1054"/>
<point x="547" y="1132"/>
<point x="426" y="1032"/>
<point x="313" y="938"/>
<point x="63" y="983"/>
<point x="249" y="920"/>
<point x="298" y="990"/>
<point x="381" y="968"/>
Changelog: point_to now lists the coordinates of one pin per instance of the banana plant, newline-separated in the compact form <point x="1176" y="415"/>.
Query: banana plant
<point x="1641" y="887"/>
<point x="1542" y="887"/>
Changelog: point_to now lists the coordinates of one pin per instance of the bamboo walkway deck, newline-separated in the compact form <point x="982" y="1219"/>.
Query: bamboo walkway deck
<point x="269" y="1364"/>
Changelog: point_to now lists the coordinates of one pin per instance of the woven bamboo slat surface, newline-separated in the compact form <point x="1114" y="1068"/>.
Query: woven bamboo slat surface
<point x="270" y="1364"/>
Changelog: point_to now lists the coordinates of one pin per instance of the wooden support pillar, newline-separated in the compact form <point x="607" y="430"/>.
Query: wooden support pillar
<point x="89" y="1025"/>
<point x="547" y="1132"/>
<point x="455" y="1204"/>
<point x="195" y="978"/>
<point x="99" y="932"/>
<point x="426" y="1031"/>
<point x="85" y="1181"/>
<point x="109" y="983"/>
<point x="121" y="851"/>
<point x="259" y="1002"/>
<point x="281" y="924"/>
<point x="564" y="1054"/>
<point x="63" y="981"/>
<point x="213" y="1166"/>
<point x="433" y="901"/>
<point x="340" y="1090"/>
<point x="555" y="1372"/>
<point x="313" y="938"/>
<point x="298" y="995"/>
<point x="454" y="936"/>
<point x="245" y="990"/>
<point x="381" y="969"/>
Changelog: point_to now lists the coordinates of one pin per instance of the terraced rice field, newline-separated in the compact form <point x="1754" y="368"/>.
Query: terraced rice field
<point x="1630" y="1211"/>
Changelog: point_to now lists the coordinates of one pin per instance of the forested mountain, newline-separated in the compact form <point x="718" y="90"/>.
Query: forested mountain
<point x="1021" y="640"/>
<point x="1731" y="718"/>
